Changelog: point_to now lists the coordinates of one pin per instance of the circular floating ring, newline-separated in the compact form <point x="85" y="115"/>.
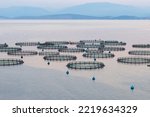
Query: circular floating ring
<point x="57" y="42"/>
<point x="90" y="46"/>
<point x="134" y="60"/>
<point x="10" y="62"/>
<point x="85" y="65"/>
<point x="3" y="45"/>
<point x="98" y="55"/>
<point x="48" y="53"/>
<point x="93" y="51"/>
<point x="60" y="58"/>
<point x="139" y="52"/>
<point x="141" y="45"/>
<point x="27" y="44"/>
<point x="115" y="44"/>
<point x="10" y="49"/>
<point x="71" y="50"/>
<point x="113" y="49"/>
<point x="23" y="53"/>
<point x="51" y="47"/>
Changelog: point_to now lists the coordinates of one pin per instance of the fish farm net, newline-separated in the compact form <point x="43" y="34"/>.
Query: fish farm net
<point x="57" y="42"/>
<point x="72" y="50"/>
<point x="48" y="53"/>
<point x="98" y="55"/>
<point x="27" y="44"/>
<point x="23" y="53"/>
<point x="45" y="47"/>
<point x="85" y="65"/>
<point x="113" y="49"/>
<point x="10" y="49"/>
<point x="3" y="45"/>
<point x="134" y="60"/>
<point x="136" y="52"/>
<point x="10" y="62"/>
<point x="60" y="58"/>
<point x="141" y="45"/>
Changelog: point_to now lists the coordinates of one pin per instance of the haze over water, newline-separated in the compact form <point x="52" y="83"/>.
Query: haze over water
<point x="36" y="80"/>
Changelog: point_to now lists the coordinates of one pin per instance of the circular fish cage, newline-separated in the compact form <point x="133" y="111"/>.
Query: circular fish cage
<point x="139" y="52"/>
<point x="23" y="53"/>
<point x="134" y="60"/>
<point x="57" y="42"/>
<point x="91" y="41"/>
<point x="85" y="65"/>
<point x="113" y="49"/>
<point x="10" y="62"/>
<point x="48" y="53"/>
<point x="98" y="55"/>
<point x="60" y="58"/>
<point x="10" y="49"/>
<point x="141" y="46"/>
<point x="27" y="44"/>
<point x="3" y="45"/>
<point x="71" y="50"/>
<point x="115" y="44"/>
<point x="90" y="46"/>
<point x="47" y="47"/>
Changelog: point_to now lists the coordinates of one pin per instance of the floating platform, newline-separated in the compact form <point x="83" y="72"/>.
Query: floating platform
<point x="27" y="44"/>
<point x="23" y="53"/>
<point x="98" y="55"/>
<point x="10" y="62"/>
<point x="134" y="60"/>
<point x="71" y="50"/>
<point x="48" y="53"/>
<point x="60" y="58"/>
<point x="47" y="47"/>
<point x="139" y="52"/>
<point x="3" y="45"/>
<point x="10" y="49"/>
<point x="141" y="46"/>
<point x="85" y="65"/>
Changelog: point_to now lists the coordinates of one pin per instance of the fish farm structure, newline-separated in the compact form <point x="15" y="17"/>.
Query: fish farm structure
<point x="27" y="44"/>
<point x="139" y="52"/>
<point x="46" y="53"/>
<point x="134" y="60"/>
<point x="60" y="58"/>
<point x="85" y="65"/>
<point x="3" y="45"/>
<point x="113" y="49"/>
<point x="10" y="62"/>
<point x="141" y="46"/>
<point x="90" y="46"/>
<point x="71" y="50"/>
<point x="98" y="55"/>
<point x="23" y="53"/>
<point x="10" y="49"/>
<point x="45" y="47"/>
<point x="57" y="42"/>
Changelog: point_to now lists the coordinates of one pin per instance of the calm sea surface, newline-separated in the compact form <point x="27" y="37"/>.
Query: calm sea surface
<point x="36" y="80"/>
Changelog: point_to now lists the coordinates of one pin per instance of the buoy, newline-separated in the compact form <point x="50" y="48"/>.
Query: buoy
<point x="109" y="51"/>
<point x="94" y="59"/>
<point x="48" y="63"/>
<point x="42" y="50"/>
<point x="93" y="78"/>
<point x="132" y="87"/>
<point x="67" y="72"/>
<point x="22" y="57"/>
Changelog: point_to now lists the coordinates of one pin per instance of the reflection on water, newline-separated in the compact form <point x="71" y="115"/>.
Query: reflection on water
<point x="37" y="80"/>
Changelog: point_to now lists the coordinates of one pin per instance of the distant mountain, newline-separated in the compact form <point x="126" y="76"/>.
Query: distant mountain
<point x="85" y="11"/>
<point x="12" y="12"/>
<point x="106" y="9"/>
<point x="60" y="16"/>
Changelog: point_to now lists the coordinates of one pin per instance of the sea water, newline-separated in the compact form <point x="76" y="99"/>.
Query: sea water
<point x="37" y="80"/>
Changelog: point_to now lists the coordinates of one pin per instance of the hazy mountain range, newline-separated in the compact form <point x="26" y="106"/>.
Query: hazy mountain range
<point x="84" y="11"/>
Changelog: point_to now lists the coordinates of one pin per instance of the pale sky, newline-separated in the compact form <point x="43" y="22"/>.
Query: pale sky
<point x="64" y="3"/>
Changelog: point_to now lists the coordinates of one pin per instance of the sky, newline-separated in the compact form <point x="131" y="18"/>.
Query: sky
<point x="65" y="3"/>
